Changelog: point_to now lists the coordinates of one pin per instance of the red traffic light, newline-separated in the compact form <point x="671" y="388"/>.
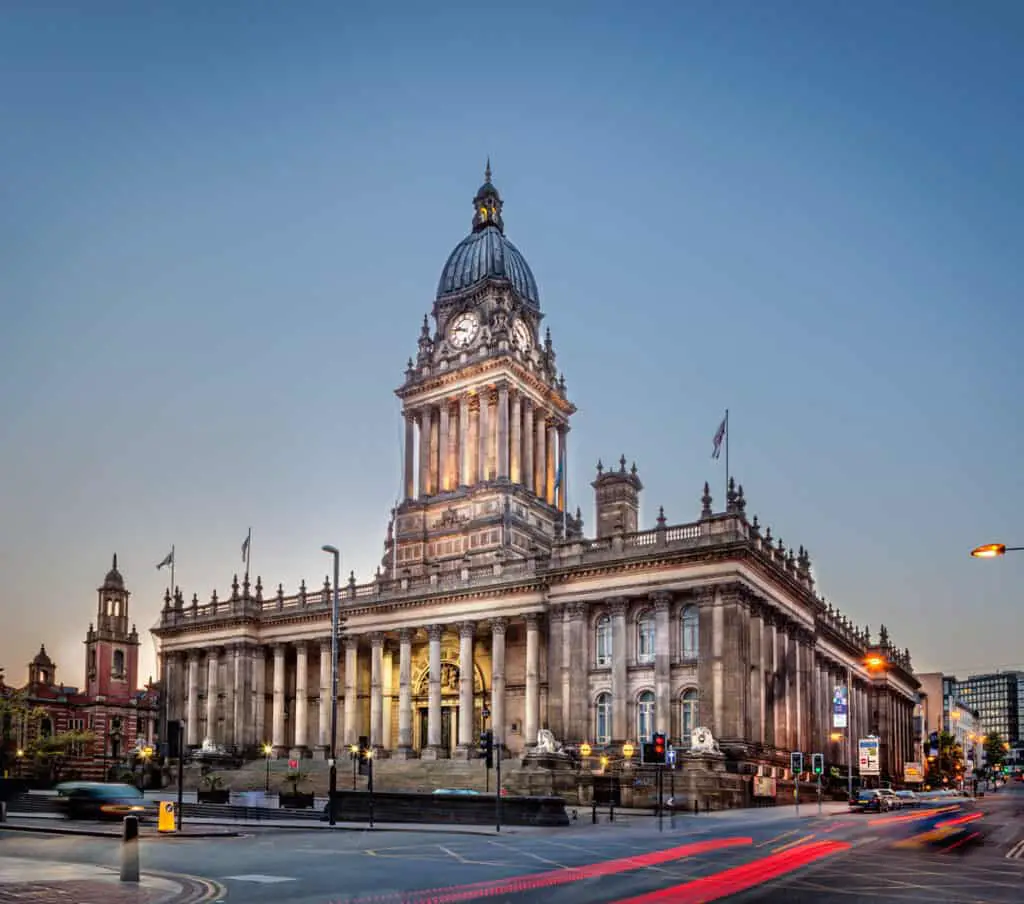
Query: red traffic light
<point x="659" y="747"/>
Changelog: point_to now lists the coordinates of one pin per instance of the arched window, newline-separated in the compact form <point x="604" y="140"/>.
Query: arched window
<point x="603" y="640"/>
<point x="645" y="638"/>
<point x="603" y="719"/>
<point x="645" y="716"/>
<point x="690" y="633"/>
<point x="691" y="712"/>
<point x="118" y="662"/>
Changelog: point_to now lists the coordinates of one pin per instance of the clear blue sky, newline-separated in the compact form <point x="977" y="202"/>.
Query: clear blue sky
<point x="221" y="225"/>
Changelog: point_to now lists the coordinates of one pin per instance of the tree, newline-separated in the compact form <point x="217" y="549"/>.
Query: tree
<point x="995" y="750"/>
<point x="50" y="753"/>
<point x="947" y="768"/>
<point x="16" y="710"/>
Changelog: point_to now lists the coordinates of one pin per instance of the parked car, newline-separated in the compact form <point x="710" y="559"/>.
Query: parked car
<point x="874" y="800"/>
<point x="96" y="800"/>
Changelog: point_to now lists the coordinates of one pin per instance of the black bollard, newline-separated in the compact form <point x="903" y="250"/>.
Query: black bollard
<point x="130" y="850"/>
<point x="611" y="813"/>
<point x="593" y="815"/>
<point x="696" y="806"/>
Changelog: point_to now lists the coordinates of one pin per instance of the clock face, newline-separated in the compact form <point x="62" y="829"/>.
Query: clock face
<point x="521" y="337"/>
<point x="464" y="330"/>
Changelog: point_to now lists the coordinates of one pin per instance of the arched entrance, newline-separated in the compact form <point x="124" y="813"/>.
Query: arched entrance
<point x="450" y="676"/>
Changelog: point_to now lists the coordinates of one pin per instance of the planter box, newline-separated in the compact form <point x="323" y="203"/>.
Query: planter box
<point x="298" y="801"/>
<point x="219" y="796"/>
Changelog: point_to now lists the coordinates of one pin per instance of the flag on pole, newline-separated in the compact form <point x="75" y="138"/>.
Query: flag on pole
<point x="167" y="560"/>
<point x="245" y="547"/>
<point x="560" y="473"/>
<point x="719" y="436"/>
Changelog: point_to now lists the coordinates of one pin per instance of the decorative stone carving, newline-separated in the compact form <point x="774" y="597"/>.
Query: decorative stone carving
<point x="435" y="632"/>
<point x="499" y="625"/>
<point x="467" y="629"/>
<point x="662" y="599"/>
<point x="702" y="741"/>
<point x="546" y="742"/>
<point x="618" y="605"/>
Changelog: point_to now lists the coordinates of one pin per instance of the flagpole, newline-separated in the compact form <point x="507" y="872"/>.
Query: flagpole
<point x="248" y="551"/>
<point x="727" y="457"/>
<point x="173" y="596"/>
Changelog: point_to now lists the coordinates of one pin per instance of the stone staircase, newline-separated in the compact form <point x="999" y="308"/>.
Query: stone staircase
<point x="388" y="775"/>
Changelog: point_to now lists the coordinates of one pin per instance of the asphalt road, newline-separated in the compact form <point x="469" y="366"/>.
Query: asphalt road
<point x="748" y="856"/>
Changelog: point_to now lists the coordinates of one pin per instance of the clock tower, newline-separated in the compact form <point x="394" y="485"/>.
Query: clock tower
<point x="486" y="415"/>
<point x="111" y="648"/>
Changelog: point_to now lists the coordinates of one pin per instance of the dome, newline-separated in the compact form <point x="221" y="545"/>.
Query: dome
<point x="486" y="254"/>
<point x="113" y="580"/>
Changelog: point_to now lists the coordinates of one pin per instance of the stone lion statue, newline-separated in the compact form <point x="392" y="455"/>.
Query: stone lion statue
<point x="702" y="741"/>
<point x="546" y="742"/>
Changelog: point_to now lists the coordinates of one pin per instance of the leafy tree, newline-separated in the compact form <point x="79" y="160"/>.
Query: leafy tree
<point x="15" y="710"/>
<point x="995" y="750"/>
<point x="947" y="768"/>
<point x="50" y="753"/>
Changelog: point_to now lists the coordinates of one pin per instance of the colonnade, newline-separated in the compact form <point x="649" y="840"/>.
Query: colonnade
<point x="496" y="433"/>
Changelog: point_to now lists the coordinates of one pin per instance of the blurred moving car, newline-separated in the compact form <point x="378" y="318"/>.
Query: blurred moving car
<point x="909" y="798"/>
<point x="878" y="800"/>
<point x="95" y="800"/>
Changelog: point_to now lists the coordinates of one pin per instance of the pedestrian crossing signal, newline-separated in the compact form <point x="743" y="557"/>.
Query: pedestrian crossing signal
<point x="796" y="763"/>
<point x="817" y="763"/>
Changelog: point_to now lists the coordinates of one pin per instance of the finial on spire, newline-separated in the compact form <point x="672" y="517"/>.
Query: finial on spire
<point x="115" y="562"/>
<point x="487" y="170"/>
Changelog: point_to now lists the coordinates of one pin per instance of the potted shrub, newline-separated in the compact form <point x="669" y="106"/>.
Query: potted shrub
<point x="213" y="791"/>
<point x="292" y="798"/>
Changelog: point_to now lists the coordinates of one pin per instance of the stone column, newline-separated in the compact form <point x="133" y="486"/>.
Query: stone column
<point x="662" y="662"/>
<point x="781" y="703"/>
<point x="405" y="751"/>
<point x="425" y="431"/>
<point x="498" y="628"/>
<point x="467" y="631"/>
<point x="376" y="690"/>
<point x="531" y="721"/>
<point x="563" y="446"/>
<point x="351" y="689"/>
<point x="278" y="739"/>
<point x="540" y="480"/>
<point x="324" y="716"/>
<point x="717" y="667"/>
<point x="768" y="667"/>
<point x="552" y="464"/>
<point x="578" y="722"/>
<point x="410" y="457"/>
<point x="516" y="441"/>
<point x="527" y="478"/>
<point x="301" y="699"/>
<point x="212" y="691"/>
<point x="239" y="697"/>
<point x="443" y="449"/>
<point x="796" y="689"/>
<point x="434" y="750"/>
<point x="560" y="678"/>
<point x="503" y="431"/>
<point x="465" y="459"/>
<point x="756" y="707"/>
<point x="620" y="658"/>
<point x="484" y="442"/>
<point x="192" y="709"/>
<point x="259" y="695"/>
<point x="387" y="695"/>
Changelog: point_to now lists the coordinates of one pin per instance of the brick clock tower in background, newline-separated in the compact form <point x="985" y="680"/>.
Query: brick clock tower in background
<point x="111" y="647"/>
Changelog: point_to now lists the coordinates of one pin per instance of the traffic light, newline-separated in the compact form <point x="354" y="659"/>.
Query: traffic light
<point x="658" y="742"/>
<point x="487" y="748"/>
<point x="796" y="763"/>
<point x="817" y="763"/>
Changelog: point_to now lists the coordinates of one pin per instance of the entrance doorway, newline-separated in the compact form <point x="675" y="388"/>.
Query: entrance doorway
<point x="449" y="726"/>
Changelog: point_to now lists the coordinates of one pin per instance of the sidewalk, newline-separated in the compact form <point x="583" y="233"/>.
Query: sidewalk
<point x="51" y="882"/>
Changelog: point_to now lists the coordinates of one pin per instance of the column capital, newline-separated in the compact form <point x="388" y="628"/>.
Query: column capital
<point x="618" y="605"/>
<point x="435" y="632"/>
<point x="300" y="645"/>
<point x="377" y="639"/>
<point x="406" y="635"/>
<point x="533" y="621"/>
<point x="193" y="656"/>
<point x="279" y="648"/>
<point x="351" y="642"/>
<point x="576" y="610"/>
<point x="467" y="629"/>
<point x="704" y="596"/>
<point x="212" y="653"/>
<point x="499" y="625"/>
<point x="325" y="645"/>
<point x="662" y="599"/>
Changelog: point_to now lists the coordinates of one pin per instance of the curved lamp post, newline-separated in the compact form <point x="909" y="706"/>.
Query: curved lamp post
<point x="994" y="550"/>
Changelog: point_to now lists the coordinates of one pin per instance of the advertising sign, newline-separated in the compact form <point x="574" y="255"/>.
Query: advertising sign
<point x="913" y="773"/>
<point x="868" y="748"/>
<point x="764" y="786"/>
<point x="840" y="707"/>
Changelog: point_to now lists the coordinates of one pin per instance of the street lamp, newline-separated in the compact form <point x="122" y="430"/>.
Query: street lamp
<point x="333" y="786"/>
<point x="267" y="750"/>
<point x="993" y="550"/>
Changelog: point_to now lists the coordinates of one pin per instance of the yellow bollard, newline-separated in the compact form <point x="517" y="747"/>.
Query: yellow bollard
<point x="166" y="821"/>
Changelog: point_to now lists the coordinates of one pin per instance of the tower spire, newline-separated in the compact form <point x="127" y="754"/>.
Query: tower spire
<point x="487" y="169"/>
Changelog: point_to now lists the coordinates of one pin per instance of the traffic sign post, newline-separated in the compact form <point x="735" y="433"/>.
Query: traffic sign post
<point x="796" y="766"/>
<point x="818" y="767"/>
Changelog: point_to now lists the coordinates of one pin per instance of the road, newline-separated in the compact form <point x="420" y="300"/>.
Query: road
<point x="749" y="856"/>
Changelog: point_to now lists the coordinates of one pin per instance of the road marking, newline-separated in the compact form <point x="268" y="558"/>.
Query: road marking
<point x="546" y="860"/>
<point x="792" y="844"/>
<point x="778" y="837"/>
<point x="1016" y="852"/>
<point x="261" y="879"/>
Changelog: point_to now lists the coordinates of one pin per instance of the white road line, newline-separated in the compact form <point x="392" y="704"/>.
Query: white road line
<point x="1016" y="852"/>
<point x="261" y="879"/>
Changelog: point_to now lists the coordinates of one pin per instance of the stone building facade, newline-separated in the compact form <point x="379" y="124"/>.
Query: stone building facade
<point x="492" y="609"/>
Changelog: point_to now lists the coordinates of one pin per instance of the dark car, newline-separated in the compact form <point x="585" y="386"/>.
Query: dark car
<point x="102" y="801"/>
<point x="872" y="800"/>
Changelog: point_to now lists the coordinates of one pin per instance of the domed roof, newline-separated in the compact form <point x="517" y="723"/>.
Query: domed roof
<point x="113" y="580"/>
<point x="42" y="658"/>
<point x="486" y="254"/>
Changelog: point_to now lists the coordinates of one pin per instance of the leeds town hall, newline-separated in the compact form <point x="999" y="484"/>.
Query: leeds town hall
<point x="492" y="608"/>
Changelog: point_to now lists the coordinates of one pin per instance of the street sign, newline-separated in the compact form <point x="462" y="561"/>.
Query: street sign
<point x="913" y="773"/>
<point x="868" y="759"/>
<point x="670" y="756"/>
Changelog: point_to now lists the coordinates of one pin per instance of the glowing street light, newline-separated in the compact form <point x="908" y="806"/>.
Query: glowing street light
<point x="993" y="550"/>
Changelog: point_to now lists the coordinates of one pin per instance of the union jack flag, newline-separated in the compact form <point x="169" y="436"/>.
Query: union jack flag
<point x="719" y="436"/>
